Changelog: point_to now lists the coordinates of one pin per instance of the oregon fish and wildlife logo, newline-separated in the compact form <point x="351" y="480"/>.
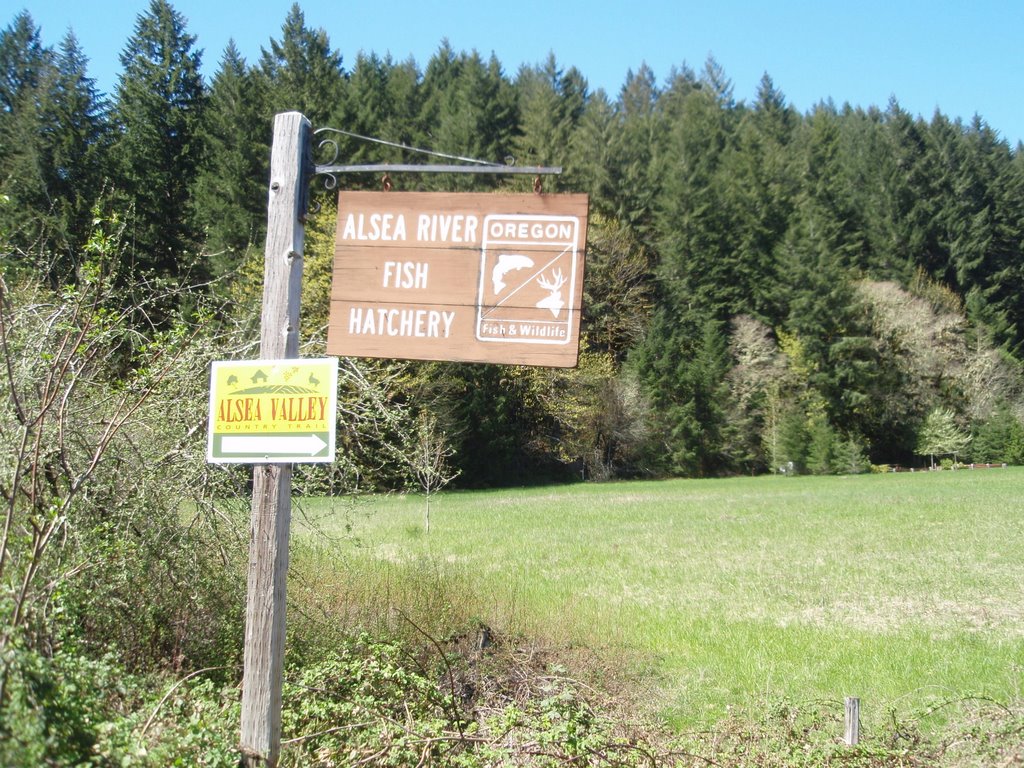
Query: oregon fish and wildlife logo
<point x="527" y="279"/>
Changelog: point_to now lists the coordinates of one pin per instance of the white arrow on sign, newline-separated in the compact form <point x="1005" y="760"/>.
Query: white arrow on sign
<point x="277" y="445"/>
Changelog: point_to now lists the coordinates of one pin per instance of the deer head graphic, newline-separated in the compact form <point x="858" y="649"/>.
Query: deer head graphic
<point x="553" y="300"/>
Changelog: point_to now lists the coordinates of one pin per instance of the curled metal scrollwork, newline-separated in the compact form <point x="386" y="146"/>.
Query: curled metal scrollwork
<point x="330" y="180"/>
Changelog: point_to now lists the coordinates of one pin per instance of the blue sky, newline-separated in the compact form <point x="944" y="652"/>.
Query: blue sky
<point x="964" y="58"/>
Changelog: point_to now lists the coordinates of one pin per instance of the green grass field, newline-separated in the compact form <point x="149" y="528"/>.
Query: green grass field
<point x="905" y="590"/>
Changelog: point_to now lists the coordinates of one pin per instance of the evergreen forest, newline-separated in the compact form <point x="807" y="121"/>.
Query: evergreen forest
<point x="767" y="291"/>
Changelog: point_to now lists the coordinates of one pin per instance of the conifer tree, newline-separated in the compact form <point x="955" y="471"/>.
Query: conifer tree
<point x="815" y="254"/>
<point x="634" y="179"/>
<point x="405" y="97"/>
<point x="999" y="438"/>
<point x="476" y="114"/>
<point x="440" y="74"/>
<point x="551" y="103"/>
<point x="589" y="167"/>
<point x="759" y="184"/>
<point x="303" y="73"/>
<point x="682" y="364"/>
<point x="25" y="66"/>
<point x="230" y="188"/>
<point x="80" y="135"/>
<point x="383" y="101"/>
<point x="995" y="275"/>
<point x="52" y="125"/>
<point x="23" y="59"/>
<point x="159" y="144"/>
<point x="699" y="265"/>
<point x="368" y="105"/>
<point x="890" y="175"/>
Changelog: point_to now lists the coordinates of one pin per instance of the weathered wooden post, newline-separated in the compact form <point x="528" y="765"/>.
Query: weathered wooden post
<point x="291" y="167"/>
<point x="852" y="735"/>
<point x="271" y="496"/>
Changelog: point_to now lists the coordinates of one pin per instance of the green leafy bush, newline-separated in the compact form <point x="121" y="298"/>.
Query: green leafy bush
<point x="111" y="546"/>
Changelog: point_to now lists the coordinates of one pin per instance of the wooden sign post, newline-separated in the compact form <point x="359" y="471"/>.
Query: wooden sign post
<point x="271" y="493"/>
<point x="533" y="317"/>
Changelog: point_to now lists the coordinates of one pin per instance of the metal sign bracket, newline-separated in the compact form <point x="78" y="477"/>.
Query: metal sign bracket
<point x="467" y="165"/>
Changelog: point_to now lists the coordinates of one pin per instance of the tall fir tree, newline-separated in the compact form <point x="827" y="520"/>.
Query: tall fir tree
<point x="440" y="75"/>
<point x="758" y="187"/>
<point x="52" y="129"/>
<point x="699" y="266"/>
<point x="158" y="111"/>
<point x="589" y="164"/>
<point x="368" y="106"/>
<point x="80" y="144"/>
<point x="892" y="175"/>
<point x="383" y="101"/>
<point x="476" y="115"/>
<point x="303" y="72"/>
<point x="682" y="364"/>
<point x="634" y="175"/>
<point x="23" y="59"/>
<point x="817" y="253"/>
<point x="25" y="66"/>
<point x="551" y="103"/>
<point x="990" y="268"/>
<point x="405" y="95"/>
<point x="230" y="191"/>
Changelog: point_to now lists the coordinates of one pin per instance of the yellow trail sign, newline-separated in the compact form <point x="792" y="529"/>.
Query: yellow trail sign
<point x="272" y="411"/>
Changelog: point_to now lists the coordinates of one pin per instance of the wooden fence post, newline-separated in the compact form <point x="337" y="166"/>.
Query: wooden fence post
<point x="271" y="493"/>
<point x="852" y="736"/>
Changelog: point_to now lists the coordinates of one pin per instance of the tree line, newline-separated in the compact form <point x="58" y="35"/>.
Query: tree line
<point x="766" y="290"/>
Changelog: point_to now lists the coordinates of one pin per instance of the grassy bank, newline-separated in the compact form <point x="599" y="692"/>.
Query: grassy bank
<point x="903" y="590"/>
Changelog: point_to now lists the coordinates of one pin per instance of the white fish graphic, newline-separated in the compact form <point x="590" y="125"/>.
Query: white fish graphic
<point x="508" y="262"/>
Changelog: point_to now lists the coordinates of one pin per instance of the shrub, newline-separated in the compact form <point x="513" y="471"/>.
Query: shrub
<point x="110" y="544"/>
<point x="57" y="707"/>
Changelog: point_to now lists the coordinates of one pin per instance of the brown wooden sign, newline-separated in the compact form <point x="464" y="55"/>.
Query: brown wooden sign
<point x="487" y="278"/>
